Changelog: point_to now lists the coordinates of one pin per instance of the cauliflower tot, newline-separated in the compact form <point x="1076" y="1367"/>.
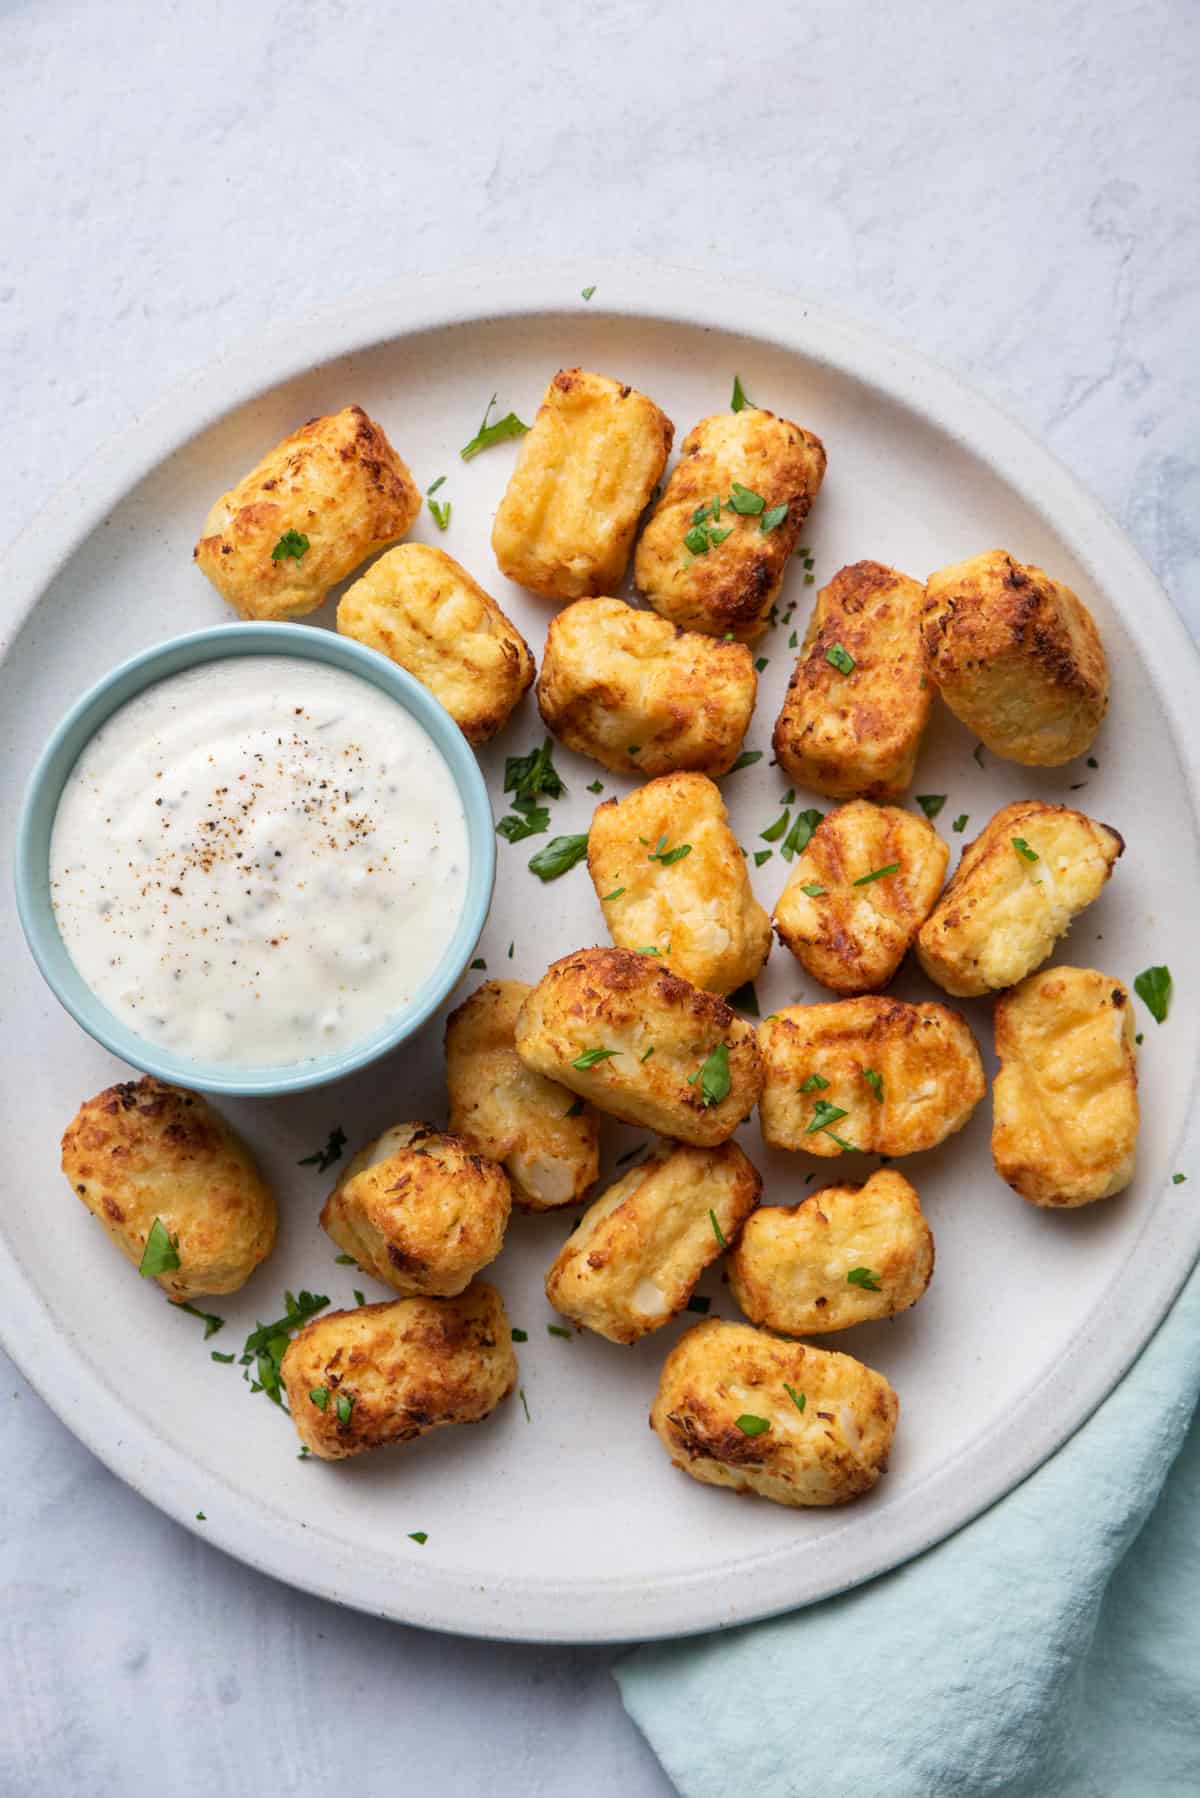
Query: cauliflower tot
<point x="418" y="607"/>
<point x="802" y="1426"/>
<point x="846" y="929"/>
<point x="635" y="1255"/>
<point x="546" y="1140"/>
<point x="1018" y="888"/>
<point x="1065" y="1104"/>
<point x="143" y="1152"/>
<point x="387" y="1373"/>
<point x="314" y="508"/>
<point x="845" y="1255"/>
<point x="584" y="475"/>
<point x="637" y="1041"/>
<point x="870" y="1073"/>
<point x="420" y="1210"/>
<point x="672" y="882"/>
<point x="851" y="726"/>
<point x="737" y="459"/>
<point x="1017" y="658"/>
<point x="639" y="695"/>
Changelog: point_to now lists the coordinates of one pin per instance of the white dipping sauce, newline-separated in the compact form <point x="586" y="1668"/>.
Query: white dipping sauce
<point x="258" y="861"/>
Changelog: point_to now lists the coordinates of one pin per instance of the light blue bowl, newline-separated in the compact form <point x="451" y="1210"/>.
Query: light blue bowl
<point x="77" y="729"/>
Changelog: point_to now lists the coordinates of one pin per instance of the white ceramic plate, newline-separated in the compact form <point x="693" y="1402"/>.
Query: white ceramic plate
<point x="572" y="1525"/>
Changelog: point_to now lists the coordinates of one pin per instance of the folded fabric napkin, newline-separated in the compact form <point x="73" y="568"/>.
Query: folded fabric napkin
<point x="1050" y="1649"/>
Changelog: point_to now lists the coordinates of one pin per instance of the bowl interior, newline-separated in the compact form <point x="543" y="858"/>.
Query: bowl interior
<point x="80" y="725"/>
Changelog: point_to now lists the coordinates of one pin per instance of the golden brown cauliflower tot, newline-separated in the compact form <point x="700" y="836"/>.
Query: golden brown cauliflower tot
<point x="738" y="459"/>
<point x="387" y="1373"/>
<point x="846" y="1255"/>
<point x="639" y="1042"/>
<point x="858" y="894"/>
<point x="1065" y="1104"/>
<point x="858" y="701"/>
<point x="546" y="1141"/>
<point x="585" y="473"/>
<point x="1019" y="887"/>
<point x="641" y="696"/>
<point x="143" y="1152"/>
<point x="632" y="1260"/>
<point x="314" y="508"/>
<point x="1017" y="657"/>
<point x="672" y="881"/>
<point x="870" y="1073"/>
<point x="801" y="1426"/>
<point x="422" y="610"/>
<point x="420" y="1210"/>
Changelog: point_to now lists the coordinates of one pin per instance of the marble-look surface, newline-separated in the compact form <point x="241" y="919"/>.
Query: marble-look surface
<point x="1010" y="189"/>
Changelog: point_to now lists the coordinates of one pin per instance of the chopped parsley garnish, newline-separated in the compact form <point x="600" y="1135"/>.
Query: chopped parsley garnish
<point x="212" y="1323"/>
<point x="793" y="641"/>
<point x="813" y="889"/>
<point x="823" y="1115"/>
<point x="977" y="753"/>
<point x="587" y="292"/>
<point x="717" y="1232"/>
<point x="773" y="516"/>
<point x="161" y="1253"/>
<point x="320" y="1397"/>
<point x="648" y="1054"/>
<point x="739" y="402"/>
<point x="595" y="786"/>
<point x="698" y="1302"/>
<point x="789" y="797"/>
<point x="745" y="999"/>
<point x="960" y="823"/>
<point x="862" y="1276"/>
<point x="1092" y="762"/>
<point x="1178" y="1179"/>
<point x="815" y="1083"/>
<point x="660" y="853"/>
<point x="488" y="434"/>
<point x="216" y="1355"/>
<point x="574" y="1111"/>
<point x="440" y="510"/>
<point x="559" y="1330"/>
<point x="200" y="1517"/>
<point x="345" y="1404"/>
<point x="524" y="1404"/>
<point x="558" y="856"/>
<point x="478" y="963"/>
<point x="696" y="540"/>
<point x="647" y="949"/>
<point x="797" y="1398"/>
<point x="529" y="820"/>
<point x="615" y="894"/>
<point x="1023" y="850"/>
<point x="360" y="1298"/>
<point x="840" y="658"/>
<point x="747" y="759"/>
<point x="774" y="831"/>
<point x="292" y="546"/>
<point x="750" y="1425"/>
<point x="761" y="664"/>
<point x="519" y="1335"/>
<point x="713" y="1075"/>
<point x="529" y="776"/>
<point x="931" y="803"/>
<point x="745" y="501"/>
<point x="799" y="836"/>
<point x="590" y="1057"/>
<point x="761" y="856"/>
<point x="875" y="1082"/>
<point x="864" y="880"/>
<point x="434" y="485"/>
<point x="325" y="1158"/>
<point x="345" y="1261"/>
<point x="1153" y="988"/>
<point x="267" y="1343"/>
<point x="420" y="1537"/>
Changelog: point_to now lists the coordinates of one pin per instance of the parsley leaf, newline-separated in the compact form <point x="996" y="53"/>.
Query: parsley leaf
<point x="488" y="434"/>
<point x="292" y="546"/>
<point x="267" y="1343"/>
<point x="862" y="1276"/>
<point x="800" y="834"/>
<point x="875" y="1082"/>
<point x="434" y="485"/>
<point x="1153" y="988"/>
<point x="774" y="831"/>
<point x="750" y="1425"/>
<point x="1024" y="851"/>
<point x="717" y="1232"/>
<point x="558" y="856"/>
<point x="774" y="516"/>
<point x="840" y="658"/>
<point x="440" y="510"/>
<point x="813" y="889"/>
<point x="421" y="1537"/>
<point x="161" y="1253"/>
<point x="714" y="1077"/>
<point x="823" y="1115"/>
<point x="212" y="1323"/>
<point x="590" y="1057"/>
<point x="761" y="856"/>
<point x="530" y="776"/>
<point x="745" y="501"/>
<point x="325" y="1158"/>
<point x="516" y="826"/>
<point x="747" y="759"/>
<point x="320" y="1397"/>
<point x="587" y="292"/>
<point x="797" y="1398"/>
<point x="519" y="1335"/>
<point x="960" y="823"/>
<point x="345" y="1404"/>
<point x="667" y="856"/>
<point x="864" y="880"/>
<point x="739" y="402"/>
<point x="595" y="786"/>
<point x="559" y="1330"/>
<point x="931" y="803"/>
<point x="814" y="1084"/>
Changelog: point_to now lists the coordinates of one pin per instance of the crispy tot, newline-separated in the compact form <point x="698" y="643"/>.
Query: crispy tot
<point x="851" y="726"/>
<point x="870" y="1073"/>
<point x="418" y="607"/>
<point x="635" y="1255"/>
<point x="731" y="585"/>
<point x="847" y="930"/>
<point x="1065" y="1104"/>
<point x="585" y="472"/>
<point x="802" y="1426"/>
<point x="420" y="1210"/>
<point x="547" y="1140"/>
<point x="388" y="1373"/>
<point x="672" y="882"/>
<point x="639" y="1042"/>
<point x="641" y="696"/>
<point x="845" y="1255"/>
<point x="313" y="509"/>
<point x="145" y="1152"/>
<point x="1018" y="888"/>
<point x="1017" y="657"/>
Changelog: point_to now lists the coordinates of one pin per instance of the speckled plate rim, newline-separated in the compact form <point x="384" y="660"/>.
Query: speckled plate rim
<point x="620" y="1608"/>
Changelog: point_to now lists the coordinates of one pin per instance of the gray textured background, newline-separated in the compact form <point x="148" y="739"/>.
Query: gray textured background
<point x="1010" y="188"/>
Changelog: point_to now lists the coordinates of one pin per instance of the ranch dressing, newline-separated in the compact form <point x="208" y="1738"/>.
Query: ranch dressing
<point x="258" y="861"/>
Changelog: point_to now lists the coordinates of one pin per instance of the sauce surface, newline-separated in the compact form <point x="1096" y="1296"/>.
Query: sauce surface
<point x="258" y="861"/>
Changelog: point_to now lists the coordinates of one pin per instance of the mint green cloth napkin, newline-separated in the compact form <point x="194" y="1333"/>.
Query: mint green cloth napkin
<point x="1050" y="1649"/>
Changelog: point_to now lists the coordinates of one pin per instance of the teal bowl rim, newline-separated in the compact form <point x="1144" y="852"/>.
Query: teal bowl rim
<point x="80" y="724"/>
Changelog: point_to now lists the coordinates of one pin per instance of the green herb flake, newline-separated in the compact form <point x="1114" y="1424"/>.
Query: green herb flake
<point x="524" y="1404"/>
<point x="774" y="831"/>
<point x="647" y="949"/>
<point x="698" y="1302"/>
<point x="1023" y="850"/>
<point x="747" y="759"/>
<point x="862" y="1276"/>
<point x="200" y="1517"/>
<point x="360" y="1298"/>
<point x="478" y="963"/>
<point x="325" y="1158"/>
<point x="931" y="803"/>
<point x="745" y="502"/>
<point x="434" y="485"/>
<point x="1153" y="988"/>
<point x="212" y="1323"/>
<point x="531" y="821"/>
<point x="864" y="880"/>
<point x="875" y="1082"/>
<point x="840" y="658"/>
<point x="558" y="856"/>
<point x="420" y="1537"/>
<point x="800" y="835"/>
<point x="532" y="775"/>
<point x="813" y="889"/>
<point x="793" y="641"/>
<point x="320" y="1397"/>
<point x="1092" y="762"/>
<point x="440" y="511"/>
<point x="714" y="1076"/>
<point x="615" y="894"/>
<point x="695" y="541"/>
<point x="772" y="518"/>
<point x="587" y="292"/>
<point x="716" y="538"/>
<point x="761" y="856"/>
<point x="345" y="1260"/>
<point x="345" y="1405"/>
<point x="750" y="1425"/>
<point x="761" y="664"/>
<point x="648" y="1054"/>
<point x="960" y="823"/>
<point x="716" y="1228"/>
<point x="797" y="1398"/>
<point x="216" y="1355"/>
<point x="590" y="1057"/>
<point x="815" y="1084"/>
<point x="266" y="1344"/>
<point x="488" y="434"/>
<point x="739" y="402"/>
<point x="660" y="853"/>
<point x="1178" y="1179"/>
<point x="559" y="1330"/>
<point x="595" y="786"/>
<point x="161" y="1253"/>
<point x="292" y="546"/>
<point x="823" y="1115"/>
<point x="745" y="999"/>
